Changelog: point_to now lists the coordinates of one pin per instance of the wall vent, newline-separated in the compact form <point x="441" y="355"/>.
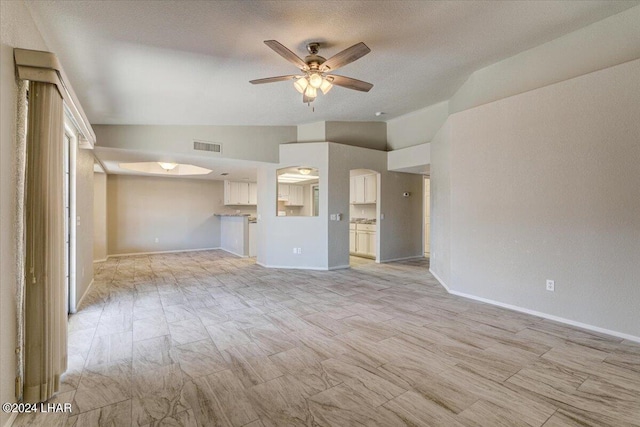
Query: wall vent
<point x="212" y="147"/>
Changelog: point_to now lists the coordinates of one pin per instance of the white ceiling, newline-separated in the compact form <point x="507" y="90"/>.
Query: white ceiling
<point x="182" y="62"/>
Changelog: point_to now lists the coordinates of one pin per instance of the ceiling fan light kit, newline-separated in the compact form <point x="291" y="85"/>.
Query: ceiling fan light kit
<point x="316" y="70"/>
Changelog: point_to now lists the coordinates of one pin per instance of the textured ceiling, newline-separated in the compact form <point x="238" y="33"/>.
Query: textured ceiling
<point x="182" y="62"/>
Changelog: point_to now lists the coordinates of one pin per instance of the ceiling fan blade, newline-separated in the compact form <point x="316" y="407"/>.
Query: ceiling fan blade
<point x="345" y="57"/>
<point x="272" y="79"/>
<point x="349" y="83"/>
<point x="286" y="54"/>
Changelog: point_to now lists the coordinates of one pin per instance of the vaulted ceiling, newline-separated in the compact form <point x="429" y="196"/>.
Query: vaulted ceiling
<point x="183" y="62"/>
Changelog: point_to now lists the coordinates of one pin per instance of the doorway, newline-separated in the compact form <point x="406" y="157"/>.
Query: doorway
<point x="364" y="233"/>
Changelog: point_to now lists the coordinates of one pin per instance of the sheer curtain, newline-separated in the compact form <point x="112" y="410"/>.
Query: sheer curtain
<point x="45" y="317"/>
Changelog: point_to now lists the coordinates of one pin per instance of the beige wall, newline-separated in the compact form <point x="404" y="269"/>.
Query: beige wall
<point x="257" y="143"/>
<point x="400" y="232"/>
<point x="179" y="212"/>
<point x="359" y="134"/>
<point x="440" y="257"/>
<point x="17" y="29"/>
<point x="417" y="127"/>
<point x="545" y="185"/>
<point x="99" y="216"/>
<point x="84" y="221"/>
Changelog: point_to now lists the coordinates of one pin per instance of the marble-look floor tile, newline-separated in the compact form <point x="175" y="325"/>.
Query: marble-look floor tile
<point x="179" y="312"/>
<point x="152" y="353"/>
<point x="281" y="402"/>
<point x="414" y="409"/>
<point x="84" y="320"/>
<point x="271" y="339"/>
<point x="103" y="385"/>
<point x="340" y="406"/>
<point x="483" y="413"/>
<point x="208" y="339"/>
<point x="110" y="348"/>
<point x="227" y="334"/>
<point x="305" y="366"/>
<point x="149" y="327"/>
<point x="118" y="414"/>
<point x="198" y="359"/>
<point x="79" y="342"/>
<point x="219" y="400"/>
<point x="157" y="395"/>
<point x="46" y="419"/>
<point x="251" y="366"/>
<point x="370" y="386"/>
<point x="186" y="331"/>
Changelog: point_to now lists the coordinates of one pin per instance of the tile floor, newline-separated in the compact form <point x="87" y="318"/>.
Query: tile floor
<point x="208" y="339"/>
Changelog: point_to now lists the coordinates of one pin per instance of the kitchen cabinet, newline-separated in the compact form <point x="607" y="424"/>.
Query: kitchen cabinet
<point x="253" y="193"/>
<point x="352" y="240"/>
<point x="253" y="239"/>
<point x="296" y="196"/>
<point x="292" y="195"/>
<point x="283" y="192"/>
<point x="362" y="240"/>
<point x="352" y="190"/>
<point x="363" y="189"/>
<point x="371" y="188"/>
<point x="240" y="193"/>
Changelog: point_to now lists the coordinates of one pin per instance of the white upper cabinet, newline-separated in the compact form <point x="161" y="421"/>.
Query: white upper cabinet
<point x="370" y="188"/>
<point x="240" y="193"/>
<point x="296" y="196"/>
<point x="363" y="189"/>
<point x="253" y="193"/>
<point x="283" y="192"/>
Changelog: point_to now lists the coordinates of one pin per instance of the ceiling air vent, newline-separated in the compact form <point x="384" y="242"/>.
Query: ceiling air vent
<point x="211" y="147"/>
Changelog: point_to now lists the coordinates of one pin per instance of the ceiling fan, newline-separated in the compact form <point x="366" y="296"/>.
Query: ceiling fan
<point x="316" y="70"/>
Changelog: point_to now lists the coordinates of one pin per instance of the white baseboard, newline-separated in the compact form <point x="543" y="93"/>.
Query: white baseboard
<point x="234" y="253"/>
<point x="79" y="303"/>
<point x="444" y="285"/>
<point x="162" y="252"/>
<point x="539" y="313"/>
<point x="400" y="259"/>
<point x="11" y="419"/>
<point x="339" y="267"/>
<point x="95" y="261"/>
<point x="291" y="267"/>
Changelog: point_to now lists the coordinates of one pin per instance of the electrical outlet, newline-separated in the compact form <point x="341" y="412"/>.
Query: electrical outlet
<point x="332" y="217"/>
<point x="299" y="251"/>
<point x="551" y="285"/>
<point x="295" y="250"/>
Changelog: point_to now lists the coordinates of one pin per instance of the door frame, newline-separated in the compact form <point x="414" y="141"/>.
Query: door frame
<point x="70" y="132"/>
<point x="424" y="213"/>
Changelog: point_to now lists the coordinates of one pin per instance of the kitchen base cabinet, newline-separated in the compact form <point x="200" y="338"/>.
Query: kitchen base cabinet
<point x="362" y="240"/>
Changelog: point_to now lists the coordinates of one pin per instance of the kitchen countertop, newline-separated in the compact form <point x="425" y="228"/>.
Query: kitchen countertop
<point x="362" y="221"/>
